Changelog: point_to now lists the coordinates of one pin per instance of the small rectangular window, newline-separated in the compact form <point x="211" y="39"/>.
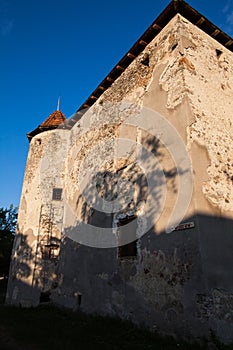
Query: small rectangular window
<point x="128" y="250"/>
<point x="57" y="193"/>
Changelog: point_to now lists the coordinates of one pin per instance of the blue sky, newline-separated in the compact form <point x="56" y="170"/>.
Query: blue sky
<point x="51" y="48"/>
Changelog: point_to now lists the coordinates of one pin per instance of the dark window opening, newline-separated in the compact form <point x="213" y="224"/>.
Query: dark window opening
<point x="218" y="52"/>
<point x="79" y="299"/>
<point x="174" y="46"/>
<point x="126" y="220"/>
<point x="57" y="193"/>
<point x="128" y="250"/>
<point x="45" y="297"/>
<point x="127" y="227"/>
<point x="146" y="61"/>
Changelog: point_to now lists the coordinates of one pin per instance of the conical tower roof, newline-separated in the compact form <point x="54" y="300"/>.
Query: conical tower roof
<point x="54" y="120"/>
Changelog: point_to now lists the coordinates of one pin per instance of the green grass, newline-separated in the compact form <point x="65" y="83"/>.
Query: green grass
<point x="48" y="327"/>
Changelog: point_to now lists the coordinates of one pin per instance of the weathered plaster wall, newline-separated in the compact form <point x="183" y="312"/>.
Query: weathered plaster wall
<point x="211" y="100"/>
<point x="202" y="71"/>
<point x="44" y="171"/>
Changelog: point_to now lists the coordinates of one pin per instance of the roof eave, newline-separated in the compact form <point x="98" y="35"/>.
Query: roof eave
<point x="41" y="129"/>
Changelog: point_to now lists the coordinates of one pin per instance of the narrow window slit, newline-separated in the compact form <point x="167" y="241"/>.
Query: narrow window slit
<point x="127" y="232"/>
<point x="174" y="46"/>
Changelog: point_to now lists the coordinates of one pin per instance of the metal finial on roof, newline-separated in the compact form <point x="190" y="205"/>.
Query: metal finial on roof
<point x="58" y="104"/>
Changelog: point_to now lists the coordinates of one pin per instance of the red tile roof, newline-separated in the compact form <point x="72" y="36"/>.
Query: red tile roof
<point x="55" y="119"/>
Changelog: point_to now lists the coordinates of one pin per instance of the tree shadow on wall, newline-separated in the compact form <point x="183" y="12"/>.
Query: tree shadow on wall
<point x="127" y="184"/>
<point x="32" y="274"/>
<point x="20" y="269"/>
<point x="136" y="185"/>
<point x="21" y="257"/>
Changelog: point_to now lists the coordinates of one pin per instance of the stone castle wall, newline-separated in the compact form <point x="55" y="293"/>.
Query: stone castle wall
<point x="178" y="283"/>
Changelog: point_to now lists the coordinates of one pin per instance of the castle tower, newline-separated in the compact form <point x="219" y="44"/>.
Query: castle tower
<point x="37" y="241"/>
<point x="139" y="183"/>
